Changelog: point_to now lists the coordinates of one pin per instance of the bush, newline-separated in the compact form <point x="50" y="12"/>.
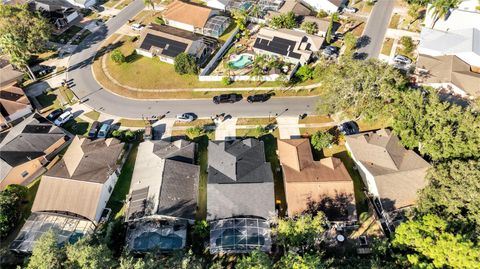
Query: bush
<point x="159" y="20"/>
<point x="133" y="38"/>
<point x="10" y="202"/>
<point x="286" y="21"/>
<point x="226" y="81"/>
<point x="260" y="130"/>
<point x="117" y="56"/>
<point x="407" y="44"/>
<point x="322" y="14"/>
<point x="194" y="132"/>
<point x="185" y="64"/>
<point x="321" y="140"/>
<point x="304" y="73"/>
<point x="309" y="27"/>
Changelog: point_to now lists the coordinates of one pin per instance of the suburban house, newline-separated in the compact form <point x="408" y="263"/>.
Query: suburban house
<point x="218" y="4"/>
<point x="27" y="147"/>
<point x="298" y="8"/>
<point x="83" y="3"/>
<point x="60" y="13"/>
<point x="14" y="105"/>
<point x="463" y="43"/>
<point x="8" y="74"/>
<point x="188" y="16"/>
<point x="315" y="185"/>
<point x="329" y="6"/>
<point x="449" y="72"/>
<point x="167" y="42"/>
<point x="392" y="174"/>
<point x="322" y="24"/>
<point x="163" y="195"/>
<point x="240" y="195"/>
<point x="464" y="16"/>
<point x="292" y="46"/>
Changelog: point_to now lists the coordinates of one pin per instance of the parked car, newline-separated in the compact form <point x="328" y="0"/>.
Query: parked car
<point x="350" y="9"/>
<point x="331" y="51"/>
<point x="348" y="128"/>
<point x="54" y="114"/>
<point x="400" y="59"/>
<point x="185" y="117"/>
<point x="258" y="98"/>
<point x="43" y="70"/>
<point x="62" y="119"/>
<point x="94" y="129"/>
<point x="227" y="98"/>
<point x="104" y="130"/>
<point x="137" y="27"/>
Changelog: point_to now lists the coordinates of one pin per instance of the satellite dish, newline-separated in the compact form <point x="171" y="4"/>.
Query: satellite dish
<point x="340" y="238"/>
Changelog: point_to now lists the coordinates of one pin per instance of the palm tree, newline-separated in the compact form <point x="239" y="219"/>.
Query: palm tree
<point x="149" y="3"/>
<point x="255" y="12"/>
<point x="441" y="8"/>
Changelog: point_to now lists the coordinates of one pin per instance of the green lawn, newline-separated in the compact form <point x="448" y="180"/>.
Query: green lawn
<point x="119" y="194"/>
<point x="133" y="123"/>
<point x="228" y="32"/>
<point x="67" y="94"/>
<point x="395" y="20"/>
<point x="93" y="115"/>
<point x="387" y="46"/>
<point x="315" y="119"/>
<point x="256" y="121"/>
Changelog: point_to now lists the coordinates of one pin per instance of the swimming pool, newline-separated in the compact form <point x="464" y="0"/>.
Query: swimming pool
<point x="241" y="61"/>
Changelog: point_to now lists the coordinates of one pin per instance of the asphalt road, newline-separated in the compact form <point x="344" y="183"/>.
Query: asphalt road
<point x="87" y="88"/>
<point x="376" y="29"/>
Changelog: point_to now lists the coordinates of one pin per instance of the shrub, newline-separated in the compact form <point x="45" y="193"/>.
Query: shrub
<point x="10" y="201"/>
<point x="407" y="44"/>
<point x="159" y="20"/>
<point x="260" y="130"/>
<point x="193" y="132"/>
<point x="322" y="14"/>
<point x="287" y="21"/>
<point x="226" y="81"/>
<point x="321" y="140"/>
<point x="304" y="73"/>
<point x="133" y="38"/>
<point x="185" y="64"/>
<point x="309" y="27"/>
<point x="117" y="56"/>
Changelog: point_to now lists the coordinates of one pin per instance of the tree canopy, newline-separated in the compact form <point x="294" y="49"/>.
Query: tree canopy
<point x="46" y="254"/>
<point x="10" y="200"/>
<point x="295" y="261"/>
<point x="301" y="232"/>
<point x="185" y="64"/>
<point x="309" y="27"/>
<point x="358" y="88"/>
<point x="254" y="260"/>
<point x="321" y="140"/>
<point x="427" y="241"/>
<point x="22" y="33"/>
<point x="441" y="130"/>
<point x="286" y="20"/>
<point x="453" y="193"/>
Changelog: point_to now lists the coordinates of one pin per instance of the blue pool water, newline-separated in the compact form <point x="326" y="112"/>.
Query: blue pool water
<point x="241" y="62"/>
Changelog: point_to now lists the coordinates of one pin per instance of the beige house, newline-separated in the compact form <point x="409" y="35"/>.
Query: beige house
<point x="315" y="185"/>
<point x="14" y="104"/>
<point x="81" y="183"/>
<point x="188" y="16"/>
<point x="8" y="74"/>
<point x="27" y="148"/>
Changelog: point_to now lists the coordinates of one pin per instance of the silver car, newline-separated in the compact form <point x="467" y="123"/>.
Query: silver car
<point x="185" y="117"/>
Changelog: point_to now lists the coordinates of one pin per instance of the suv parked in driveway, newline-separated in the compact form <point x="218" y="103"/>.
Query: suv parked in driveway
<point x="330" y="51"/>
<point x="258" y="98"/>
<point x="93" y="129"/>
<point x="66" y="116"/>
<point x="55" y="114"/>
<point x="104" y="130"/>
<point x="348" y="128"/>
<point x="400" y="59"/>
<point x="227" y="98"/>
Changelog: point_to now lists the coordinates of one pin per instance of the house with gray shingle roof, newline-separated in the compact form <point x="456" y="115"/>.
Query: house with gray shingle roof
<point x="163" y="195"/>
<point x="27" y="148"/>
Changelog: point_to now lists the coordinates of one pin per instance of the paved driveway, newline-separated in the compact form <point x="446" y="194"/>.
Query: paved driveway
<point x="376" y="28"/>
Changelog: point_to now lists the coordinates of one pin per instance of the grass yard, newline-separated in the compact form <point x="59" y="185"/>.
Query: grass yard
<point x="401" y="51"/>
<point x="315" y="119"/>
<point x="77" y="126"/>
<point x="394" y="21"/>
<point x="387" y="46"/>
<point x="256" y="121"/>
<point x="133" y="123"/>
<point x="67" y="94"/>
<point x="93" y="115"/>
<point x="67" y="35"/>
<point x="365" y="125"/>
<point x="111" y="3"/>
<point x="367" y="8"/>
<point x="228" y="33"/>
<point x="123" y="4"/>
<point x="198" y="122"/>
<point x="119" y="194"/>
<point x="307" y="132"/>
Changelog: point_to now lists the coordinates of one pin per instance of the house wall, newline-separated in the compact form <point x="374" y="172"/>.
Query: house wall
<point x="215" y="4"/>
<point x="318" y="5"/>
<point x="367" y="177"/>
<point x="107" y="190"/>
<point x="144" y="53"/>
<point x="180" y="25"/>
<point x="286" y="59"/>
<point x="15" y="174"/>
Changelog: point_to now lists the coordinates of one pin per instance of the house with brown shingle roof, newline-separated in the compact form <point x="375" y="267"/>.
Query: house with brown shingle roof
<point x="188" y="16"/>
<point x="315" y="185"/>
<point x="14" y="104"/>
<point x="392" y="174"/>
<point x="81" y="183"/>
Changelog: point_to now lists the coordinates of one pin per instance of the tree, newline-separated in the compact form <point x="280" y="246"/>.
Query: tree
<point x="185" y="64"/>
<point x="46" y="253"/>
<point x="428" y="242"/>
<point x="255" y="11"/>
<point x="453" y="193"/>
<point x="304" y="73"/>
<point x="226" y="81"/>
<point x="441" y="8"/>
<point x="350" y="43"/>
<point x="322" y="14"/>
<point x="321" y="140"/>
<point x="287" y="21"/>
<point x="22" y="33"/>
<point x="328" y="35"/>
<point x="295" y="261"/>
<point x="441" y="130"/>
<point x="309" y="27"/>
<point x="195" y="131"/>
<point x="407" y="44"/>
<point x="149" y="3"/>
<point x="85" y="254"/>
<point x="414" y="12"/>
<point x="240" y="17"/>
<point x="254" y="260"/>
<point x="184" y="260"/>
<point x="10" y="202"/>
<point x="117" y="56"/>
<point x="301" y="232"/>
<point x="358" y="88"/>
<point x="201" y="229"/>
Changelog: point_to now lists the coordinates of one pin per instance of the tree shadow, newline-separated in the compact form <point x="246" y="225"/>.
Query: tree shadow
<point x="363" y="41"/>
<point x="339" y="207"/>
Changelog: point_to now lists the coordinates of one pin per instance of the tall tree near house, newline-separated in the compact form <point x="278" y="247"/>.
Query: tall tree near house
<point x="441" y="8"/>
<point x="149" y="3"/>
<point x="240" y="17"/>
<point x="302" y="232"/>
<point x="309" y="27"/>
<point x="46" y="253"/>
<point x="328" y="35"/>
<point x="255" y="11"/>
<point x="22" y="33"/>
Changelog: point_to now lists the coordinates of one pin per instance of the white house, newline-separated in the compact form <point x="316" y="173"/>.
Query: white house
<point x="465" y="16"/>
<point x="217" y="4"/>
<point x="329" y="6"/>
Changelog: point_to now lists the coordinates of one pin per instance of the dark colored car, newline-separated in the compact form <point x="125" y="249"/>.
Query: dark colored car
<point x="43" y="70"/>
<point x="227" y="98"/>
<point x="258" y="98"/>
<point x="55" y="114"/>
<point x="331" y="51"/>
<point x="94" y="129"/>
<point x="348" y="128"/>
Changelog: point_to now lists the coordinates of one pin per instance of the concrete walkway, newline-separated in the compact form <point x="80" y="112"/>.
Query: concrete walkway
<point x="288" y="127"/>
<point x="227" y="130"/>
